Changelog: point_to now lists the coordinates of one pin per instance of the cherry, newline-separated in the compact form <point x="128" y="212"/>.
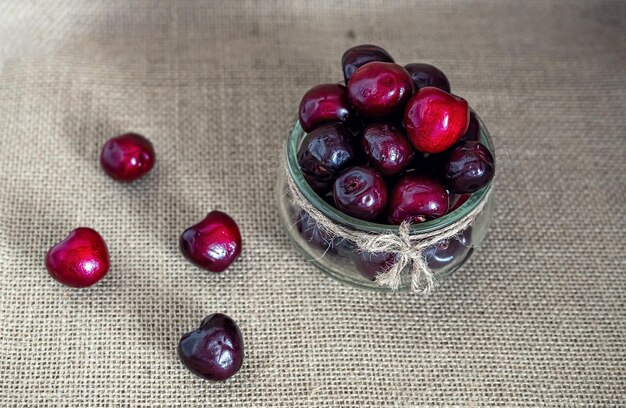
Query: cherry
<point x="457" y="200"/>
<point x="386" y="148"/>
<point x="469" y="167"/>
<point x="80" y="260"/>
<point x="324" y="153"/>
<point x="416" y="199"/>
<point x="449" y="251"/>
<point x="360" y="192"/>
<point x="424" y="75"/>
<point x="311" y="233"/>
<point x="371" y="264"/>
<point x="435" y="120"/>
<point x="214" y="351"/>
<point x="212" y="244"/>
<point x="324" y="103"/>
<point x="379" y="89"/>
<point x="127" y="157"/>
<point x="473" y="129"/>
<point x="360" y="55"/>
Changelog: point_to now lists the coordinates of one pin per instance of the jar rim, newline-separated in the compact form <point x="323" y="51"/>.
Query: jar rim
<point x="293" y="145"/>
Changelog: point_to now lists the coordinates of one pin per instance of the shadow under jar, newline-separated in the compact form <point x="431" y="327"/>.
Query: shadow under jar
<point x="341" y="259"/>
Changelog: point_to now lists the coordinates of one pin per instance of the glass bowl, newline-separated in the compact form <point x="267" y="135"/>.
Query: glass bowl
<point x="340" y="258"/>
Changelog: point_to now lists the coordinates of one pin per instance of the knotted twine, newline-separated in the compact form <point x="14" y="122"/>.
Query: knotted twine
<point x="409" y="249"/>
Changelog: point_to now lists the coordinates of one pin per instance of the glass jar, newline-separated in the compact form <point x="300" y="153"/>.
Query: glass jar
<point x="340" y="258"/>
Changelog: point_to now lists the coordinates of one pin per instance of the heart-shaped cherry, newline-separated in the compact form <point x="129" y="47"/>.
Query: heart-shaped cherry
<point x="435" y="120"/>
<point x="212" y="244"/>
<point x="357" y="56"/>
<point x="127" y="157"/>
<point x="80" y="260"/>
<point x="214" y="351"/>
<point x="322" y="104"/>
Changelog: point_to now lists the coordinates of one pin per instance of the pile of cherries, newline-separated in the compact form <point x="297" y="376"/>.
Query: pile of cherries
<point x="393" y="145"/>
<point x="214" y="351"/>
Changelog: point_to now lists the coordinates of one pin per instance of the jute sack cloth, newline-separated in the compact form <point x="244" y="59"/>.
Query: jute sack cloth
<point x="537" y="317"/>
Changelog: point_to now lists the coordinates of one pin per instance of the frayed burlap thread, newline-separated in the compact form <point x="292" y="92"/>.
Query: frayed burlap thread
<point x="408" y="248"/>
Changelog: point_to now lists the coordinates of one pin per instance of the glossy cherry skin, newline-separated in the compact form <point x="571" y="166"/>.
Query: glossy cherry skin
<point x="416" y="199"/>
<point x="360" y="192"/>
<point x="214" y="351"/>
<point x="386" y="148"/>
<point x="80" y="260"/>
<point x="356" y="57"/>
<point x="449" y="251"/>
<point x="322" y="104"/>
<point x="468" y="168"/>
<point x="324" y="153"/>
<point x="212" y="244"/>
<point x="379" y="89"/>
<point x="127" y="157"/>
<point x="435" y="120"/>
<point x="371" y="265"/>
<point x="473" y="129"/>
<point x="424" y="75"/>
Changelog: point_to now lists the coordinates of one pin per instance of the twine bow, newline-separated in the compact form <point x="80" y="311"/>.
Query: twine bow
<point x="409" y="250"/>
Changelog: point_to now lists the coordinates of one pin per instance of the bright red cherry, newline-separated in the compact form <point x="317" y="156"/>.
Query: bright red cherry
<point x="379" y="89"/>
<point x="80" y="260"/>
<point x="212" y="244"/>
<point x="322" y="104"/>
<point x="416" y="199"/>
<point x="127" y="157"/>
<point x="356" y="57"/>
<point x="435" y="120"/>
<point x="214" y="351"/>
<point x="386" y="148"/>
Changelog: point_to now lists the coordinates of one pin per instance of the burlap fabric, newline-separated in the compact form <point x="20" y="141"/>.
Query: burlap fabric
<point x="536" y="318"/>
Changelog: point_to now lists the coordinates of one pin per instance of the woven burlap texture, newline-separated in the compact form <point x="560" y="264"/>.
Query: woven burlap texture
<point x="537" y="317"/>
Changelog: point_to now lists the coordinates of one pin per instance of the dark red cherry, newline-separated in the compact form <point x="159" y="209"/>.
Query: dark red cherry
<point x="435" y="120"/>
<point x="212" y="244"/>
<point x="380" y="89"/>
<point x="450" y="251"/>
<point x="322" y="104"/>
<point x="371" y="265"/>
<point x="469" y="167"/>
<point x="473" y="130"/>
<point x="360" y="192"/>
<point x="457" y="200"/>
<point x="310" y="232"/>
<point x="360" y="55"/>
<point x="127" y="157"/>
<point x="214" y="351"/>
<point x="324" y="153"/>
<point x="424" y="75"/>
<point x="80" y="260"/>
<point x="416" y="199"/>
<point x="386" y="148"/>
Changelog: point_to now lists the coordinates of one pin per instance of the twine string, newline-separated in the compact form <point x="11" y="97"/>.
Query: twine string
<point x="408" y="249"/>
